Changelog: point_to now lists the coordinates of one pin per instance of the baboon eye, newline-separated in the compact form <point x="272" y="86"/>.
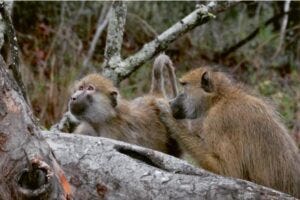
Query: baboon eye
<point x="90" y="87"/>
<point x="80" y="87"/>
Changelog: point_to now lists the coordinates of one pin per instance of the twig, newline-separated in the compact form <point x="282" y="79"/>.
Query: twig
<point x="283" y="27"/>
<point x="74" y="20"/>
<point x="101" y="24"/>
<point x="14" y="49"/>
<point x="117" y="71"/>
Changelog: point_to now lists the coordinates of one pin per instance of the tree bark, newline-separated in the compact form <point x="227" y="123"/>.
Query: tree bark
<point x="100" y="168"/>
<point x="114" y="38"/>
<point x="13" y="46"/>
<point x="28" y="169"/>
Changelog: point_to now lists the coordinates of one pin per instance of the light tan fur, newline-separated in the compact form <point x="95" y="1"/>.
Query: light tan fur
<point x="240" y="135"/>
<point x="113" y="117"/>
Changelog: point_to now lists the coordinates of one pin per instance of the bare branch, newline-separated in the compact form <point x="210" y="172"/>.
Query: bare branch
<point x="14" y="49"/>
<point x="74" y="20"/>
<point x="283" y="27"/>
<point x="122" y="69"/>
<point x="101" y="24"/>
<point x="115" y="34"/>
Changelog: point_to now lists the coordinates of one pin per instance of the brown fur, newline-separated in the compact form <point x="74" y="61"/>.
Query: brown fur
<point x="133" y="121"/>
<point x="240" y="135"/>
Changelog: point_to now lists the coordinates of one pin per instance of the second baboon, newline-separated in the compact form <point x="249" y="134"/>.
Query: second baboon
<point x="97" y="103"/>
<point x="241" y="135"/>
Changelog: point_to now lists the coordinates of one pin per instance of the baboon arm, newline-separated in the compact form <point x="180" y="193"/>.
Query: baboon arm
<point x="196" y="147"/>
<point x="192" y="143"/>
<point x="85" y="129"/>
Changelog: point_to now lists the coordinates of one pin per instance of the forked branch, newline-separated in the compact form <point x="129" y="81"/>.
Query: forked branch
<point x="117" y="69"/>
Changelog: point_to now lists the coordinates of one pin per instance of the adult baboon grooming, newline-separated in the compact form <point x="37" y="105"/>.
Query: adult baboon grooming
<point x="241" y="134"/>
<point x="98" y="105"/>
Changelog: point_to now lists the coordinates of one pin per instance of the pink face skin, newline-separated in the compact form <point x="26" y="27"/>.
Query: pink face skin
<point x="83" y="90"/>
<point x="81" y="99"/>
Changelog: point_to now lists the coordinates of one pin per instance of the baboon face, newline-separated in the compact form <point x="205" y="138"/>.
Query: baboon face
<point x="198" y="91"/>
<point x="93" y="100"/>
<point x="177" y="106"/>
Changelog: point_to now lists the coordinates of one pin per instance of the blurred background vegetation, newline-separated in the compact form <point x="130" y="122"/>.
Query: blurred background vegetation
<point x="54" y="39"/>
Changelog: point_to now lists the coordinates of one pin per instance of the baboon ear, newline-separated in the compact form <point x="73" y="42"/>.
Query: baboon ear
<point x="114" y="98"/>
<point x="206" y="82"/>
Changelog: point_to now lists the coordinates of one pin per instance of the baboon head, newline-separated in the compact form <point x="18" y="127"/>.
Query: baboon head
<point x="94" y="99"/>
<point x="202" y="87"/>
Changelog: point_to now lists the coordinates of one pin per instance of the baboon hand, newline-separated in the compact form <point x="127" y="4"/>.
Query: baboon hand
<point x="174" y="128"/>
<point x="164" y="113"/>
<point x="162" y="107"/>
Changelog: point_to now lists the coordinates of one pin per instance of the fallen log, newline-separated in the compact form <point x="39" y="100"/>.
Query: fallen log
<point x="107" y="169"/>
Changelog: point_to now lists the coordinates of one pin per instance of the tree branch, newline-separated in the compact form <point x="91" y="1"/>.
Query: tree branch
<point x="283" y="27"/>
<point x="101" y="24"/>
<point x="122" y="69"/>
<point x="103" y="168"/>
<point x="115" y="33"/>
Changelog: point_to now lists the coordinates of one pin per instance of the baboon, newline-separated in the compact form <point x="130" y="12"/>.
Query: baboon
<point x="241" y="135"/>
<point x="97" y="103"/>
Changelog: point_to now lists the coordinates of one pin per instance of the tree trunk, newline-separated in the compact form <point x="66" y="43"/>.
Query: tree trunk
<point x="28" y="169"/>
